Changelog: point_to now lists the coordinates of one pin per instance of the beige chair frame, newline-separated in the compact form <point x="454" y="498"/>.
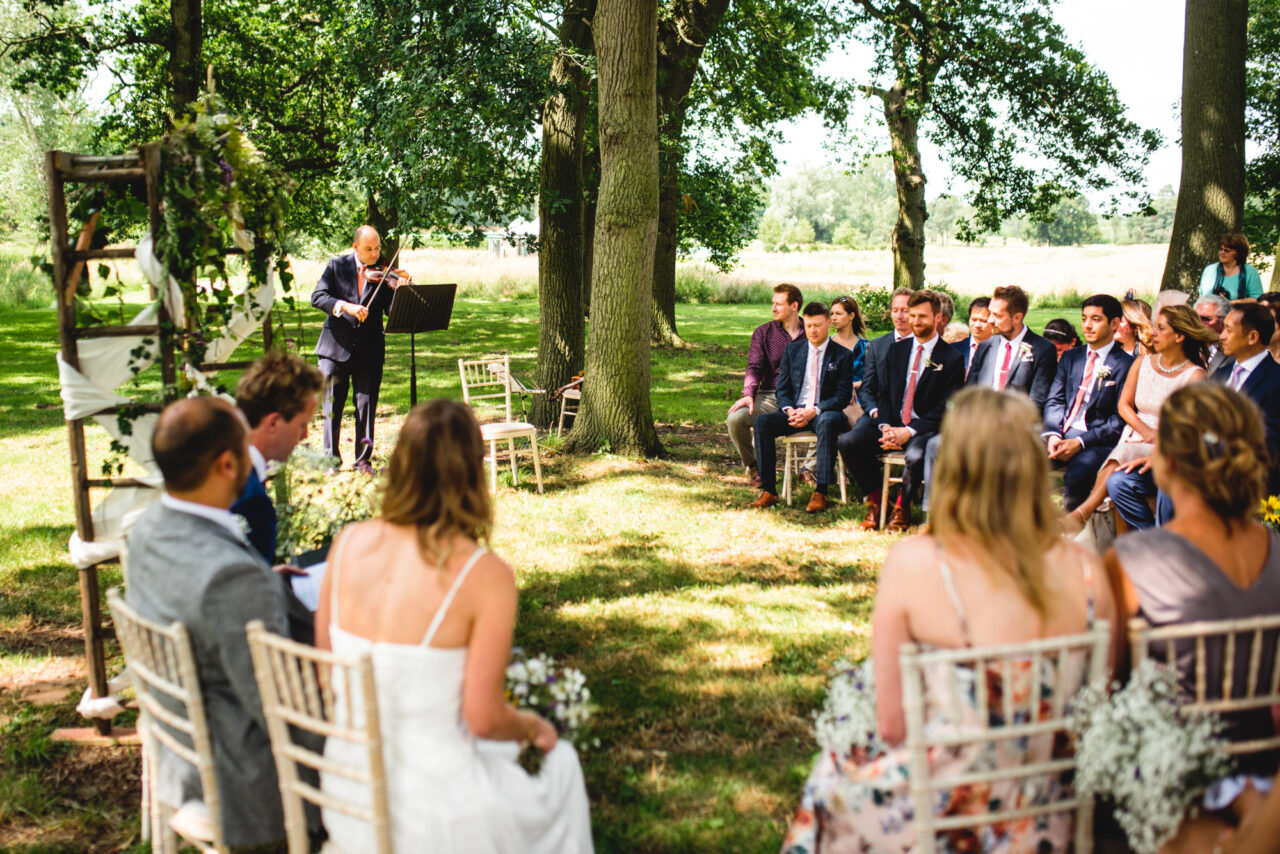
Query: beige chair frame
<point x="1093" y="645"/>
<point x="295" y="682"/>
<point x="574" y="394"/>
<point x="162" y="665"/>
<point x="890" y="460"/>
<point x="485" y="375"/>
<point x="1259" y="693"/>
<point x="791" y="463"/>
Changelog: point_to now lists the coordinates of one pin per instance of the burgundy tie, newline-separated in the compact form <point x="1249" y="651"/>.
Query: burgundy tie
<point x="910" y="399"/>
<point x="1080" y="392"/>
<point x="1004" y="369"/>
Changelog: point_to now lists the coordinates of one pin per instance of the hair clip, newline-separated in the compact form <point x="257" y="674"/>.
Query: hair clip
<point x="1217" y="448"/>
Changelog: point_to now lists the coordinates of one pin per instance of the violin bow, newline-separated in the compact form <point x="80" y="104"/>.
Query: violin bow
<point x="384" y="274"/>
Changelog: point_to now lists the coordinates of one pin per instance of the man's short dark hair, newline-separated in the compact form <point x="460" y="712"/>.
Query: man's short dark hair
<point x="1257" y="317"/>
<point x="816" y="309"/>
<point x="190" y="435"/>
<point x="922" y="296"/>
<point x="1111" y="307"/>
<point x="792" y="292"/>
<point x="1014" y="298"/>
<point x="277" y="382"/>
<point x="980" y="304"/>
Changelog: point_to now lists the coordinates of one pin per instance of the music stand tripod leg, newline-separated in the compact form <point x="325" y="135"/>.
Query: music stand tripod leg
<point x="413" y="372"/>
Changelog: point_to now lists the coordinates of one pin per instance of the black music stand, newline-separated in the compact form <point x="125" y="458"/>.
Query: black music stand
<point x="420" y="308"/>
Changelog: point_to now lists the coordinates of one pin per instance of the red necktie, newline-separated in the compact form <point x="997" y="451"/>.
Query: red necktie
<point x="1004" y="369"/>
<point x="910" y="399"/>
<point x="1080" y="392"/>
<point x="360" y="282"/>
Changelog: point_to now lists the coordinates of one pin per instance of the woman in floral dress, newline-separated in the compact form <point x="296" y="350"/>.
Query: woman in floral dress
<point x="994" y="569"/>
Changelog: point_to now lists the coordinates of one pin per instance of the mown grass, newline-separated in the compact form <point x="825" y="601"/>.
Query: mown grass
<point x="704" y="628"/>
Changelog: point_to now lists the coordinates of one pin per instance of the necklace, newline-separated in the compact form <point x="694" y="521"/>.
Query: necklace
<point x="1171" y="371"/>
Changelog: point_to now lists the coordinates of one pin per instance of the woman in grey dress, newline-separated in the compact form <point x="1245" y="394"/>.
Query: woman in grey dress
<point x="1214" y="561"/>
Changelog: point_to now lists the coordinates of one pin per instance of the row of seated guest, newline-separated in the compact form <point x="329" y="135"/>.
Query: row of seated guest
<point x="1008" y="575"/>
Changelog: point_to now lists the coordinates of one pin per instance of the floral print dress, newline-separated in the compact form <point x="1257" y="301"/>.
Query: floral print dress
<point x="861" y="804"/>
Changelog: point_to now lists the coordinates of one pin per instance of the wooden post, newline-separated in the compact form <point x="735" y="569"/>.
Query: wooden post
<point x="151" y="167"/>
<point x="90" y="607"/>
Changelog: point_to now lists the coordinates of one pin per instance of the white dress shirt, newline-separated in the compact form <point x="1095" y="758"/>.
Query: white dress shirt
<point x="222" y="517"/>
<point x="360" y="268"/>
<point x="1016" y="344"/>
<point x="259" y="462"/>
<point x="1235" y="381"/>
<point x="806" y="388"/>
<point x="1098" y="362"/>
<point x="927" y="347"/>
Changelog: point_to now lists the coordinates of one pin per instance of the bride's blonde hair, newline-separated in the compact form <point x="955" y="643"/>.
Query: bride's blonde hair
<point x="435" y="479"/>
<point x="991" y="489"/>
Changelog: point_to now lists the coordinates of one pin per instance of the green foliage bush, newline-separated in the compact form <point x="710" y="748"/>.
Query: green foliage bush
<point x="701" y="286"/>
<point x="313" y="507"/>
<point x="22" y="285"/>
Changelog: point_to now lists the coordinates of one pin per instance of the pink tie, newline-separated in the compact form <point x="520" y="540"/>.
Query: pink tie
<point x="1080" y="392"/>
<point x="1004" y="369"/>
<point x="1237" y="377"/>
<point x="813" y="378"/>
<point x="909" y="401"/>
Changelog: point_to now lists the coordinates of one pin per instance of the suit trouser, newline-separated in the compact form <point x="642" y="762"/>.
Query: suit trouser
<point x="861" y="450"/>
<point x="768" y="427"/>
<point x="1129" y="493"/>
<point x="740" y="422"/>
<point x="365" y="380"/>
<point x="1080" y="472"/>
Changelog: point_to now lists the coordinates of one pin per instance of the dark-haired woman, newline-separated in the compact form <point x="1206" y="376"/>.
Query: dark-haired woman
<point x="1231" y="277"/>
<point x="847" y="330"/>
<point x="419" y="592"/>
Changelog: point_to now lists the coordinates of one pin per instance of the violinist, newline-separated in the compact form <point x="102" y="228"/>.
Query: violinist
<point x="354" y="295"/>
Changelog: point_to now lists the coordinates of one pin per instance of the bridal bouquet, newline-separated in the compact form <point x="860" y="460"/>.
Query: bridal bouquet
<point x="559" y="694"/>
<point x="847" y="721"/>
<point x="1136" y="748"/>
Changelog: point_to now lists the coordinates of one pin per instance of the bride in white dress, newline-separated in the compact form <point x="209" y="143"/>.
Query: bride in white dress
<point x="436" y="611"/>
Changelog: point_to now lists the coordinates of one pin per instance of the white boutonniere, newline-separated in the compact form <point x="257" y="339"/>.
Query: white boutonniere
<point x="1102" y="373"/>
<point x="1024" y="353"/>
<point x="245" y="527"/>
<point x="931" y="365"/>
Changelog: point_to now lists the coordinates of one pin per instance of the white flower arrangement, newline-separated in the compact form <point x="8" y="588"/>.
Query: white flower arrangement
<point x="1152" y="760"/>
<point x="847" y="720"/>
<point x="1025" y="354"/>
<point x="1102" y="372"/>
<point x="559" y="694"/>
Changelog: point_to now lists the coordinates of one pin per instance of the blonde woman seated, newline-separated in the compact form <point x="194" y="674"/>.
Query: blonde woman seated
<point x="994" y="570"/>
<point x="418" y="590"/>
<point x="1213" y="561"/>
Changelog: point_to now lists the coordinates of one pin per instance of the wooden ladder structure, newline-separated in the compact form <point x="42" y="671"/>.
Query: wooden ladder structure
<point x="63" y="168"/>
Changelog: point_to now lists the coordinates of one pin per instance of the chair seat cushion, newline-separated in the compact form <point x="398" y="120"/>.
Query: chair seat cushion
<point x="502" y="430"/>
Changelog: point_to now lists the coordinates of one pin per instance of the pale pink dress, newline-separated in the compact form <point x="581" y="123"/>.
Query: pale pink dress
<point x="1152" y="391"/>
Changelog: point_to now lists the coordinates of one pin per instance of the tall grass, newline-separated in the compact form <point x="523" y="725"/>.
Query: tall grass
<point x="21" y="284"/>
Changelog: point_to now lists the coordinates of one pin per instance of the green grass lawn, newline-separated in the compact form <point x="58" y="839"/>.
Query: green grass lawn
<point x="704" y="628"/>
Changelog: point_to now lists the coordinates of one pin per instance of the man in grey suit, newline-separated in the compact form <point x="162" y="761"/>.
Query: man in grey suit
<point x="190" y="561"/>
<point x="1212" y="311"/>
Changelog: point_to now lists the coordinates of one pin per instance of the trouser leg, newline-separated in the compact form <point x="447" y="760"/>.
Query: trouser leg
<point x="913" y="474"/>
<point x="366" y="383"/>
<point x="860" y="448"/>
<point x="1081" y="474"/>
<point x="768" y="428"/>
<point x="827" y="426"/>
<point x="740" y="422"/>
<point x="337" y="379"/>
<point x="1129" y="492"/>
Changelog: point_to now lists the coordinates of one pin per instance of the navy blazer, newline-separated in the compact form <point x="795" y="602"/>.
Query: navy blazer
<point x="345" y="339"/>
<point x="874" y="366"/>
<point x="937" y="382"/>
<point x="1101" y="416"/>
<point x="835" y="388"/>
<point x="1032" y="374"/>
<point x="1263" y="388"/>
<point x="962" y="347"/>
<point x="257" y="509"/>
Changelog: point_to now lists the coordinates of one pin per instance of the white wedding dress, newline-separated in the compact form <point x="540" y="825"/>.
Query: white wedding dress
<point x="449" y="792"/>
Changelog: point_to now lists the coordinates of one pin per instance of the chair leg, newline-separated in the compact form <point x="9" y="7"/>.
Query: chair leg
<point x="884" y="495"/>
<point x="537" y="462"/>
<point x="564" y="404"/>
<point x="493" y="465"/>
<point x="787" y="456"/>
<point x="844" y="489"/>
<point x="511" y="452"/>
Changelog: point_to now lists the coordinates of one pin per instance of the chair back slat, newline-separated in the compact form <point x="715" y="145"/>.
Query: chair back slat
<point x="297" y="687"/>
<point x="1072" y="661"/>
<point x="163" y="665"/>
<point x="486" y="386"/>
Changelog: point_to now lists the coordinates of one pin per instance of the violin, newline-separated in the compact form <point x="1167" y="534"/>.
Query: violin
<point x="384" y="272"/>
<point x="575" y="382"/>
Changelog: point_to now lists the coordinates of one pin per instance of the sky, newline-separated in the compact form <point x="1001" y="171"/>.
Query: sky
<point x="1138" y="43"/>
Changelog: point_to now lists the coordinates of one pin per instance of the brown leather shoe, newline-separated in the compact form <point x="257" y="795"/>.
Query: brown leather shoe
<point x="817" y="503"/>
<point x="753" y="477"/>
<point x="766" y="500"/>
<point x="900" y="520"/>
<point x="872" y="522"/>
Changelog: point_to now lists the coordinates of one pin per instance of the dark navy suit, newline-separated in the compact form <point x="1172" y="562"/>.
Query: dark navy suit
<point x="1262" y="387"/>
<point x="1103" y="424"/>
<point x="1032" y="373"/>
<point x="835" y="390"/>
<point x="861" y="445"/>
<point x="963" y="348"/>
<point x="350" y="353"/>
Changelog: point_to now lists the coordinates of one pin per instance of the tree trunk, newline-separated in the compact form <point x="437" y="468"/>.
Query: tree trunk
<point x="682" y="37"/>
<point x="186" y="42"/>
<point x="908" y="233"/>
<point x="616" y="412"/>
<point x="560" y="230"/>
<point x="385" y="222"/>
<point x="1211" y="190"/>
<point x="591" y="190"/>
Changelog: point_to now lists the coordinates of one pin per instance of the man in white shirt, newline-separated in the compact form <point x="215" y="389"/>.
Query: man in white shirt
<point x="1014" y="357"/>
<point x="1250" y="370"/>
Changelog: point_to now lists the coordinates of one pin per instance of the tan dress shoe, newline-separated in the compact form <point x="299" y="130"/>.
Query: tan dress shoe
<point x="901" y="519"/>
<point x="766" y="500"/>
<point x="872" y="522"/>
<point x="817" y="503"/>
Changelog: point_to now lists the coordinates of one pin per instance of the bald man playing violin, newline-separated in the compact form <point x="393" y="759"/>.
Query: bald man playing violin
<point x="352" y="348"/>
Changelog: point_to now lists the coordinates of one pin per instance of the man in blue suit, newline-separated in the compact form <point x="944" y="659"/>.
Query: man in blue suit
<point x="352" y="348"/>
<point x="1081" y="422"/>
<point x="979" y="330"/>
<point x="1251" y="371"/>
<point x="278" y="394"/>
<point x="815" y="384"/>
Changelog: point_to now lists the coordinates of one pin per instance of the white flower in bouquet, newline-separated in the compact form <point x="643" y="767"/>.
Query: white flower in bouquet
<point x="1137" y="749"/>
<point x="848" y="717"/>
<point x="559" y="694"/>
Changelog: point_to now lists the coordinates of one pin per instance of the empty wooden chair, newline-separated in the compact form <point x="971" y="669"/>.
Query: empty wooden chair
<point x="487" y="387"/>
<point x="791" y="461"/>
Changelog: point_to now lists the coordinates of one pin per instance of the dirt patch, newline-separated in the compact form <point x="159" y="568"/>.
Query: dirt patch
<point x="27" y="636"/>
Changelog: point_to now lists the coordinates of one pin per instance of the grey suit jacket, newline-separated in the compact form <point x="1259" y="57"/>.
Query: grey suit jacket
<point x="187" y="568"/>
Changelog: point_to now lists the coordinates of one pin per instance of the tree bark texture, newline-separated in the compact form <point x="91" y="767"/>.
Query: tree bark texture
<point x="908" y="232"/>
<point x="186" y="42"/>
<point x="682" y="37"/>
<point x="1211" y="191"/>
<point x="561" y="332"/>
<point x="616" y="412"/>
<point x="591" y="187"/>
<point x="384" y="221"/>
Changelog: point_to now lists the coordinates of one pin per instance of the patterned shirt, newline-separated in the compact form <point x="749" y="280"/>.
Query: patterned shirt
<point x="767" y="345"/>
